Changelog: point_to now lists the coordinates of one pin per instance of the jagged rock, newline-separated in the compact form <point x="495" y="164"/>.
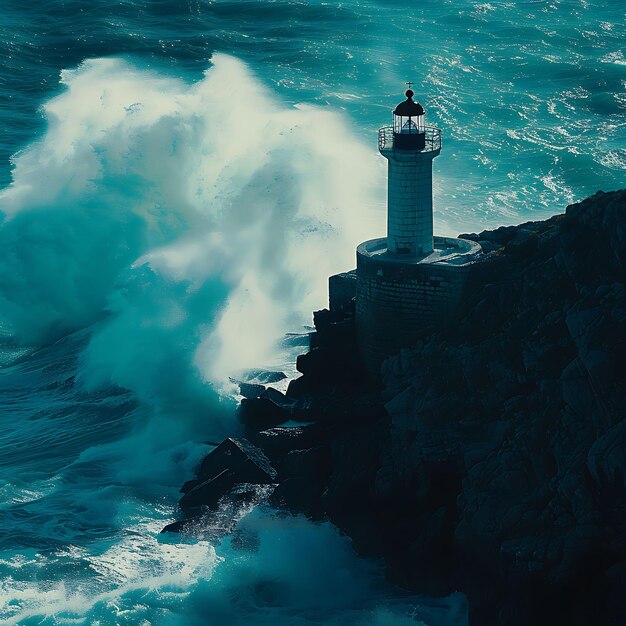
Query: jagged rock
<point x="298" y="495"/>
<point x="313" y="464"/>
<point x="265" y="377"/>
<point x="261" y="413"/>
<point x="177" y="526"/>
<point x="528" y="386"/>
<point x="278" y="398"/>
<point x="268" y="378"/>
<point x="278" y="442"/>
<point x="354" y="467"/>
<point x="189" y="485"/>
<point x="214" y="508"/>
<point x="301" y="387"/>
<point x="209" y="492"/>
<point x="303" y="475"/>
<point x="314" y="363"/>
<point x="502" y="471"/>
<point x="607" y="457"/>
<point x="247" y="463"/>
<point x="251" y="390"/>
<point x="234" y="472"/>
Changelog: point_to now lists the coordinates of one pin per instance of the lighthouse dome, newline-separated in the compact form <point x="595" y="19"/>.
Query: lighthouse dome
<point x="409" y="108"/>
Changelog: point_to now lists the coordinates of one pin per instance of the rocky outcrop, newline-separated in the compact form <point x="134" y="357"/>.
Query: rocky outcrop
<point x="235" y="471"/>
<point x="526" y="398"/>
<point x="492" y="460"/>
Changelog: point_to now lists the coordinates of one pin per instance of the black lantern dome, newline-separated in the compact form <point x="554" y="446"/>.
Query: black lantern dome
<point x="408" y="124"/>
<point x="409" y="108"/>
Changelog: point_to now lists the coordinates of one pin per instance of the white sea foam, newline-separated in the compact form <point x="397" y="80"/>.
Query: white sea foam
<point x="191" y="216"/>
<point x="274" y="569"/>
<point x="614" y="159"/>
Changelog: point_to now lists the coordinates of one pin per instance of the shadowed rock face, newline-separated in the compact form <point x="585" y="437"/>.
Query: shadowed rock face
<point x="500" y="469"/>
<point x="233" y="462"/>
<point x="497" y="465"/>
<point x="524" y="400"/>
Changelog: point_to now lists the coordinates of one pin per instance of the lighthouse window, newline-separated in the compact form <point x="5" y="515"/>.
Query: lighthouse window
<point x="409" y="126"/>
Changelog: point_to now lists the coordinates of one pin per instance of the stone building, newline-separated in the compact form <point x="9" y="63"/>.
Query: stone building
<point x="410" y="281"/>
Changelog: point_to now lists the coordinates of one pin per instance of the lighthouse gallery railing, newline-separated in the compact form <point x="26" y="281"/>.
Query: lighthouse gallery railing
<point x="433" y="138"/>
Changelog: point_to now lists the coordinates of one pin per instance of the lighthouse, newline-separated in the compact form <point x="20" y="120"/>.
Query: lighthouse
<point x="409" y="147"/>
<point x="410" y="282"/>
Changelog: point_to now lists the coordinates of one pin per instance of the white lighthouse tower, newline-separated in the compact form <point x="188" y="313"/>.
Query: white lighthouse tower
<point x="409" y="148"/>
<point x="410" y="282"/>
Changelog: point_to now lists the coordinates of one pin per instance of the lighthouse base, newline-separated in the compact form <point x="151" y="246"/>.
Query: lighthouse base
<point x="400" y="299"/>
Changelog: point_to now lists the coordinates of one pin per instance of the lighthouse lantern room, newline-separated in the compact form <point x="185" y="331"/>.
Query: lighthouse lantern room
<point x="409" y="147"/>
<point x="408" y="124"/>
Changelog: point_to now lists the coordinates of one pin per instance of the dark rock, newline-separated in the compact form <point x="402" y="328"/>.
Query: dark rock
<point x="297" y="495"/>
<point x="333" y="357"/>
<point x="342" y="291"/>
<point x="224" y="485"/>
<point x="523" y="402"/>
<point x="234" y="474"/>
<point x="261" y="413"/>
<point x="302" y="476"/>
<point x="270" y="408"/>
<point x="210" y="522"/>
<point x="265" y="377"/>
<point x="501" y="470"/>
<point x="313" y="464"/>
<point x="278" y="442"/>
<point x="247" y="463"/>
<point x="209" y="492"/>
<point x="356" y="457"/>
<point x="278" y="398"/>
<point x="251" y="390"/>
<point x="301" y="387"/>
<point x="314" y="364"/>
<point x="176" y="527"/>
<point x="268" y="378"/>
<point x="245" y="493"/>
<point x="189" y="485"/>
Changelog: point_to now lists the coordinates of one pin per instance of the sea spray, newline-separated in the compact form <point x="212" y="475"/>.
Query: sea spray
<point x="190" y="216"/>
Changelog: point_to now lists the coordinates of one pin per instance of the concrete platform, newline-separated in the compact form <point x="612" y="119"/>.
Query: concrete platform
<point x="447" y="251"/>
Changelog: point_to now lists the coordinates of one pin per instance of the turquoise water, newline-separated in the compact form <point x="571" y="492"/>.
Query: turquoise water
<point x="179" y="179"/>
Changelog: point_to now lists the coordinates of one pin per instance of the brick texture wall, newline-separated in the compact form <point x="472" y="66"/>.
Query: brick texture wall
<point x="410" y="204"/>
<point x="397" y="303"/>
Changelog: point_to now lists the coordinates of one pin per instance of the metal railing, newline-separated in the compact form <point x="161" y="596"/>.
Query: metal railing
<point x="433" y="139"/>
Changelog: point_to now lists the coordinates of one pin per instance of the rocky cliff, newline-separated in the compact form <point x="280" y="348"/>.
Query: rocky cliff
<point x="492" y="460"/>
<point x="523" y="404"/>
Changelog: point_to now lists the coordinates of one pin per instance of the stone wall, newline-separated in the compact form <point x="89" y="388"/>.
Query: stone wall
<point x="410" y="203"/>
<point x="397" y="303"/>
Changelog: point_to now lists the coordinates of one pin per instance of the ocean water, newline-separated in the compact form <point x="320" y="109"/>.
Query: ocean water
<point x="178" y="179"/>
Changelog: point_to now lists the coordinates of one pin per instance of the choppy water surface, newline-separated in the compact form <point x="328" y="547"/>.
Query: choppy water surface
<point x="179" y="180"/>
